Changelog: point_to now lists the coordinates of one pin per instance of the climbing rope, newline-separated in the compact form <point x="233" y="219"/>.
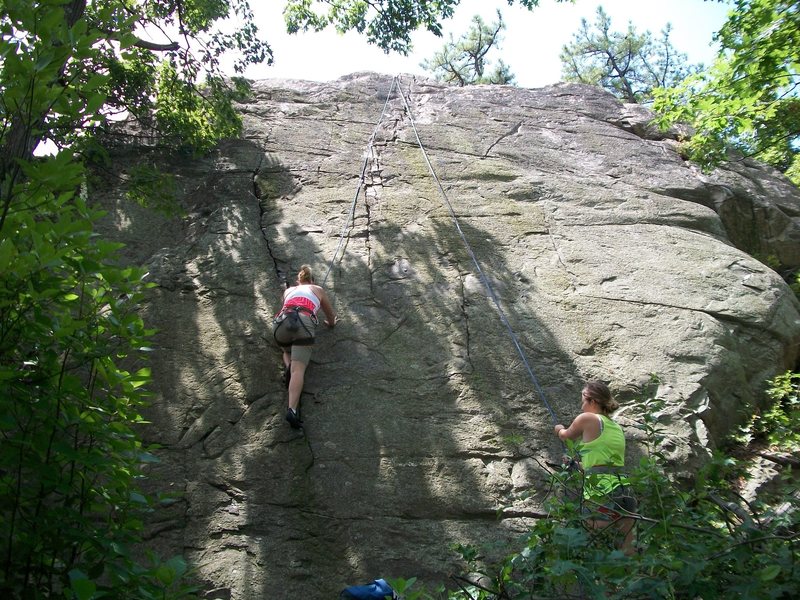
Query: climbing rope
<point x="361" y="179"/>
<point x="483" y="277"/>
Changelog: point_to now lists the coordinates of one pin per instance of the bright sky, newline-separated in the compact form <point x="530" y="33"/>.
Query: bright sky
<point x="531" y="46"/>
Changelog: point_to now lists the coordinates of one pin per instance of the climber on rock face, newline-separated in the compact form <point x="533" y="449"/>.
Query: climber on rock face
<point x="294" y="328"/>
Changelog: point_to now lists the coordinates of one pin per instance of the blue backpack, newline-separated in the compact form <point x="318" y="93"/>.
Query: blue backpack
<point x="377" y="590"/>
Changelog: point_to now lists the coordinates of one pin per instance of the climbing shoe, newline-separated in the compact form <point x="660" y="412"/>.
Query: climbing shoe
<point x="293" y="419"/>
<point x="287" y="375"/>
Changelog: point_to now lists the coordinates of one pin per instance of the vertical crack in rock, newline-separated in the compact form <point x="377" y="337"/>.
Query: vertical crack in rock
<point x="310" y="465"/>
<point x="280" y="276"/>
<point x="394" y="128"/>
<point x="372" y="181"/>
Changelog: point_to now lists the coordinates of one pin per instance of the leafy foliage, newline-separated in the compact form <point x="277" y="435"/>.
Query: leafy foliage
<point x="778" y="424"/>
<point x="464" y="62"/>
<point x="695" y="539"/>
<point x="151" y="188"/>
<point x="71" y="354"/>
<point x="748" y="100"/>
<point x="387" y="23"/>
<point x="89" y="52"/>
<point x="72" y="346"/>
<point x="630" y="65"/>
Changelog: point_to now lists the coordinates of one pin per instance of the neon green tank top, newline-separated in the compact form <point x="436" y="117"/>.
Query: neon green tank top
<point x="608" y="449"/>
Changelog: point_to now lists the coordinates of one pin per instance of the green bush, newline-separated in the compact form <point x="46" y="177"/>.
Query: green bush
<point x="778" y="423"/>
<point x="72" y="368"/>
<point x="72" y="346"/>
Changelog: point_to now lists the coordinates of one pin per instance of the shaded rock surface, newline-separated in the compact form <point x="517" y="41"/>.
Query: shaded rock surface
<point x="592" y="251"/>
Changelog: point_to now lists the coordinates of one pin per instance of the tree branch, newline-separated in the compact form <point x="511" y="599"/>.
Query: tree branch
<point x="784" y="461"/>
<point x="171" y="47"/>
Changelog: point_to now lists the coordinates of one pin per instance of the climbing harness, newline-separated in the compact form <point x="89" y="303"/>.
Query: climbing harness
<point x="292" y="329"/>
<point x="620" y="495"/>
<point x="604" y="470"/>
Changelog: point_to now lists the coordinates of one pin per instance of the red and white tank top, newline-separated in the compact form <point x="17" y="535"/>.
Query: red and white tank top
<point x="302" y="296"/>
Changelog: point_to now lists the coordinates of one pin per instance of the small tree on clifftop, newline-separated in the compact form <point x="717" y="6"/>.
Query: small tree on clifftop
<point x="630" y="65"/>
<point x="464" y="62"/>
<point x="749" y="98"/>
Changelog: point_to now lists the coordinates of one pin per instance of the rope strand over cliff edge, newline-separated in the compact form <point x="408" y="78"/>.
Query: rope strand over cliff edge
<point x="396" y="82"/>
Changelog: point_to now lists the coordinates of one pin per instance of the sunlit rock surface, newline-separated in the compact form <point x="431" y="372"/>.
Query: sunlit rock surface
<point x="600" y="254"/>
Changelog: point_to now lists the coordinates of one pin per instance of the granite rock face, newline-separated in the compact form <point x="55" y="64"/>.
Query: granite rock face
<point x="506" y="245"/>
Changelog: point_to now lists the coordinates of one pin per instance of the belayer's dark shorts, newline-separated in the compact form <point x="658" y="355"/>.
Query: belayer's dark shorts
<point x="621" y="503"/>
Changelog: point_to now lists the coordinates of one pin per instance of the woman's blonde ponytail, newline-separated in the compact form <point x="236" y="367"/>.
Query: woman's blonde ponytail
<point x="305" y="275"/>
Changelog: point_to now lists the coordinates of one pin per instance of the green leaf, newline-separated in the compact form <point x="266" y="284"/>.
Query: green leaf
<point x="127" y="40"/>
<point x="769" y="573"/>
<point x="165" y="574"/>
<point x="81" y="586"/>
<point x="96" y="101"/>
<point x="563" y="567"/>
<point x="138" y="498"/>
<point x="7" y="253"/>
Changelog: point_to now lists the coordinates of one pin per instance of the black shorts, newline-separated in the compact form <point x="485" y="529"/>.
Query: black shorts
<point x="620" y="504"/>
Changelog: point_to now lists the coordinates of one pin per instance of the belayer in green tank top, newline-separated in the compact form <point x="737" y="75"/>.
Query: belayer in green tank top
<point x="602" y="453"/>
<point x="606" y="450"/>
